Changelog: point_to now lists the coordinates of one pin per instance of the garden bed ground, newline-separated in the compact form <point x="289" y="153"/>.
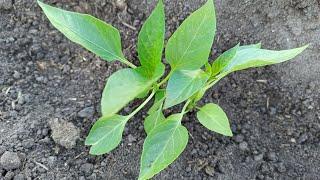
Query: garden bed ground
<point x="274" y="111"/>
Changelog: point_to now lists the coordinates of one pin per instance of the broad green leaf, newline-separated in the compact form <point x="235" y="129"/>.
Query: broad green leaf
<point x="158" y="101"/>
<point x="154" y="119"/>
<point x="106" y="134"/>
<point x="124" y="85"/>
<point x="189" y="47"/>
<point x="214" y="118"/>
<point x="223" y="60"/>
<point x="162" y="146"/>
<point x="151" y="38"/>
<point x="88" y="31"/>
<point x="243" y="57"/>
<point x="183" y="84"/>
<point x="254" y="57"/>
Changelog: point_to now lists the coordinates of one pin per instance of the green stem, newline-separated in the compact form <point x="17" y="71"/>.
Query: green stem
<point x="141" y="105"/>
<point x="124" y="60"/>
<point x="183" y="112"/>
<point x="185" y="106"/>
<point x="165" y="79"/>
<point x="215" y="80"/>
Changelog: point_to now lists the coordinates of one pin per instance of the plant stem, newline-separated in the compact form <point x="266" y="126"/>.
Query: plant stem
<point x="185" y="106"/>
<point x="124" y="60"/>
<point x="215" y="80"/>
<point x="183" y="111"/>
<point x="141" y="105"/>
<point x="165" y="79"/>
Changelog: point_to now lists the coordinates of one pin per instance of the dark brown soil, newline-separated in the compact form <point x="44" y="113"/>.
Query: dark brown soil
<point x="274" y="111"/>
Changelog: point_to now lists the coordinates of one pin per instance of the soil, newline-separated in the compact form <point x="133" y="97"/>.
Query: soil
<point x="274" y="111"/>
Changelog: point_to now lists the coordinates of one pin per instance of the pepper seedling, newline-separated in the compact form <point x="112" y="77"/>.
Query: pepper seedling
<point x="187" y="52"/>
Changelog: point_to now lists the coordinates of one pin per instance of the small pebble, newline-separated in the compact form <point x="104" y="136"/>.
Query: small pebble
<point x="281" y="168"/>
<point x="131" y="138"/>
<point x="239" y="138"/>
<point x="87" y="169"/>
<point x="293" y="140"/>
<point x="121" y="4"/>
<point x="2" y="150"/>
<point x="10" y="160"/>
<point x="9" y="175"/>
<point x="86" y="112"/>
<point x="303" y="138"/>
<point x="188" y="169"/>
<point x="272" y="156"/>
<point x="273" y="111"/>
<point x="16" y="74"/>
<point x="243" y="146"/>
<point x="258" y="157"/>
<point x="64" y="133"/>
<point x="209" y="170"/>
<point x="19" y="177"/>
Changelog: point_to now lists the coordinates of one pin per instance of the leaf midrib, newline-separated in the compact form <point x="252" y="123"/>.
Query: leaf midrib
<point x="217" y="121"/>
<point x="165" y="146"/>
<point x="107" y="134"/>
<point x="193" y="38"/>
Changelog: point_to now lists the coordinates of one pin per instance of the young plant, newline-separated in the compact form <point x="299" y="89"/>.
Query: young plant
<point x="187" y="52"/>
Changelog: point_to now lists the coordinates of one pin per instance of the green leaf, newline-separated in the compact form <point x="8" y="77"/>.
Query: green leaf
<point x="143" y="94"/>
<point x="151" y="38"/>
<point x="159" y="98"/>
<point x="223" y="60"/>
<point x="254" y="57"/>
<point x="124" y="85"/>
<point x="154" y="119"/>
<point x="189" y="47"/>
<point x="155" y="114"/>
<point x="214" y="118"/>
<point x="183" y="84"/>
<point x="88" y="31"/>
<point x="106" y="134"/>
<point x="162" y="146"/>
<point x="243" y="57"/>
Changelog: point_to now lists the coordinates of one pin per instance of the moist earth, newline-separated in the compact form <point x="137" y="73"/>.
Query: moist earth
<point x="274" y="111"/>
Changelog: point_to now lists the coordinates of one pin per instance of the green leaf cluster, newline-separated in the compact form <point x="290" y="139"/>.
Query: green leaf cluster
<point x="191" y="75"/>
